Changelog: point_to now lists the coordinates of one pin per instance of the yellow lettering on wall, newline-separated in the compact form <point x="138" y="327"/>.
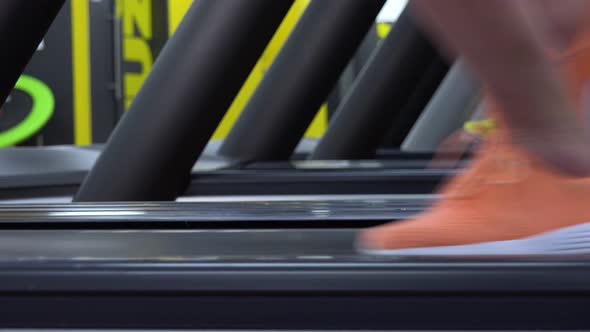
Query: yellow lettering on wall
<point x="136" y="16"/>
<point x="136" y="50"/>
<point x="137" y="13"/>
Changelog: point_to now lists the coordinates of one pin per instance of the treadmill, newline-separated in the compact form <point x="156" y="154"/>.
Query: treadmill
<point x="172" y="266"/>
<point x="261" y="265"/>
<point x="41" y="172"/>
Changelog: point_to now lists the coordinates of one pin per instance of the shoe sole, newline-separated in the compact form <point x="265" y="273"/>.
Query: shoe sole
<point x="573" y="240"/>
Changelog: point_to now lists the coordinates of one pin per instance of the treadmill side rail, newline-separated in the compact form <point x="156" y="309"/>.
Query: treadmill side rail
<point x="193" y="82"/>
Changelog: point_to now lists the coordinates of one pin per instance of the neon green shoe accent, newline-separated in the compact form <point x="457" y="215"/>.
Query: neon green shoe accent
<point x="482" y="127"/>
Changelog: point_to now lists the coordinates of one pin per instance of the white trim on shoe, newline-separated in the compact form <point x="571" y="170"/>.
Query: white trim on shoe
<point x="564" y="241"/>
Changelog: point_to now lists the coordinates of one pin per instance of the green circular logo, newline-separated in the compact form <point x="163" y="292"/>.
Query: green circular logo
<point x="43" y="106"/>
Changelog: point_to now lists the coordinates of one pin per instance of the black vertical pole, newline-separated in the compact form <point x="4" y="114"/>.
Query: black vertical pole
<point x="23" y="24"/>
<point x="199" y="72"/>
<point x="300" y="79"/>
<point x="379" y="94"/>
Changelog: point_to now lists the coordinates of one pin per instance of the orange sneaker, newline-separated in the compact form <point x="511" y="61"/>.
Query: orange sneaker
<point x="506" y="202"/>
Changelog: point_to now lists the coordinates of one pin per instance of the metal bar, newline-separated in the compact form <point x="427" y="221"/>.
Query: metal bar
<point x="422" y="94"/>
<point x="23" y="24"/>
<point x="300" y="79"/>
<point x="196" y="77"/>
<point x="447" y="111"/>
<point x="380" y="93"/>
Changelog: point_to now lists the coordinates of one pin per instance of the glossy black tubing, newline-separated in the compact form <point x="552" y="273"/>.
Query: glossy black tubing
<point x="300" y="79"/>
<point x="23" y="24"/>
<point x="380" y="93"/>
<point x="201" y="69"/>
<point x="423" y="93"/>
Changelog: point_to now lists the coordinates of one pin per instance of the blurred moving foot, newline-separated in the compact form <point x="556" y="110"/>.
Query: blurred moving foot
<point x="505" y="202"/>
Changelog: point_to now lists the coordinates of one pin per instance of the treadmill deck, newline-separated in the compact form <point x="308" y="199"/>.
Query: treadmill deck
<point x="298" y="271"/>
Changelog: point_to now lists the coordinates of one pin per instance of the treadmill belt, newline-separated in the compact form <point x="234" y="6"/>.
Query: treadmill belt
<point x="302" y="247"/>
<point x="314" y="211"/>
<point x="274" y="280"/>
<point x="307" y="277"/>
